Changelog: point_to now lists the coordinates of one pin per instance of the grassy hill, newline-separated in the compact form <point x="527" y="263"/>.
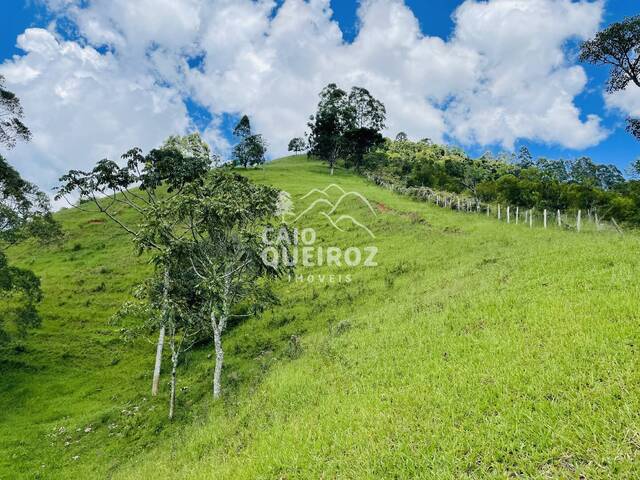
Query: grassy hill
<point x="475" y="349"/>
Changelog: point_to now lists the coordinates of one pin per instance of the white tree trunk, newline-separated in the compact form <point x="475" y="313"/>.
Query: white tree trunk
<point x="160" y="347"/>
<point x="156" y="370"/>
<point x="217" y="373"/>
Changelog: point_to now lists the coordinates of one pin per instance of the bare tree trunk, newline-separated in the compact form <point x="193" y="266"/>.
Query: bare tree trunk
<point x="156" y="370"/>
<point x="218" y="329"/>
<point x="174" y="368"/>
<point x="160" y="347"/>
<point x="217" y="373"/>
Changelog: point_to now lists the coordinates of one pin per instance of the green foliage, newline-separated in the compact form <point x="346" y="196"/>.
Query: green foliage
<point x="618" y="46"/>
<point x="543" y="183"/>
<point x="251" y="149"/>
<point x="297" y="145"/>
<point x="11" y="114"/>
<point x="346" y="126"/>
<point x="24" y="214"/>
<point x="492" y="352"/>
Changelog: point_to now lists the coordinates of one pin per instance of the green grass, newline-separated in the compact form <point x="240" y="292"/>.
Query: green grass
<point x="475" y="349"/>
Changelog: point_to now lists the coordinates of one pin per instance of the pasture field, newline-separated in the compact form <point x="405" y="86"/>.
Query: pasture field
<point x="474" y="349"/>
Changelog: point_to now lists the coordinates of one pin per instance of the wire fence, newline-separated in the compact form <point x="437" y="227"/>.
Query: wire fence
<point x="578" y="220"/>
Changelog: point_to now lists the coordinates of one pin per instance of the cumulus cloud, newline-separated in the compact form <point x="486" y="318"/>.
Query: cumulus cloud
<point x="626" y="101"/>
<point x="503" y="75"/>
<point x="83" y="106"/>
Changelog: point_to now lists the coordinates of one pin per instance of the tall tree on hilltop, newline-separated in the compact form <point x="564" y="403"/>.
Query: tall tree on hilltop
<point x="619" y="47"/>
<point x="369" y="121"/>
<point x="251" y="148"/>
<point x="332" y="119"/>
<point x="346" y="125"/>
<point x="297" y="145"/>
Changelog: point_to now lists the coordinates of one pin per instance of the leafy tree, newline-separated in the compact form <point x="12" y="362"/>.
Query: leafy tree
<point x="525" y="159"/>
<point x="297" y="145"/>
<point x="634" y="168"/>
<point x="144" y="184"/>
<point x="583" y="171"/>
<point x="251" y="148"/>
<point x="346" y="126"/>
<point x="11" y="114"/>
<point x="24" y="213"/>
<point x="226" y="218"/>
<point x="552" y="169"/>
<point x="608" y="176"/>
<point x="369" y="116"/>
<point x="402" y="137"/>
<point x="619" y="47"/>
<point x="368" y="112"/>
<point x="333" y="118"/>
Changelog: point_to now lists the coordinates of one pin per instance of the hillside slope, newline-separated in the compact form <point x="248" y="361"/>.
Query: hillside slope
<point x="474" y="349"/>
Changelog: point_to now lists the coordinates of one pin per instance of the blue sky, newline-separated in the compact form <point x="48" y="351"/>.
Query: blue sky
<point x="191" y="95"/>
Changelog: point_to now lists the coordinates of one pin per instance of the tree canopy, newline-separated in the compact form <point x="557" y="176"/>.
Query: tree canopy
<point x="346" y="125"/>
<point x="11" y="115"/>
<point x="618" y="46"/>
<point x="251" y="148"/>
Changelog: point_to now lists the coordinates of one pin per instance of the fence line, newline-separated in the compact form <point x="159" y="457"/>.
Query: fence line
<point x="467" y="204"/>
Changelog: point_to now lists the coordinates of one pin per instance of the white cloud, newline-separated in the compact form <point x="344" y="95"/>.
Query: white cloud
<point x="627" y="101"/>
<point x="503" y="75"/>
<point x="83" y="106"/>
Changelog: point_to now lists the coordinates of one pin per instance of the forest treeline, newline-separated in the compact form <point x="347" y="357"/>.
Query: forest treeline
<point x="519" y="180"/>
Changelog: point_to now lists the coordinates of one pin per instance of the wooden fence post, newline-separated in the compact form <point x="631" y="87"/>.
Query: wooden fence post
<point x="508" y="214"/>
<point x="559" y="218"/>
<point x="499" y="212"/>
<point x="530" y="218"/>
<point x="545" y="218"/>
<point x="517" y="215"/>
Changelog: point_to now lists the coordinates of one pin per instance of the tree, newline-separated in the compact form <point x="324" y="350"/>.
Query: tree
<point x="297" y="145"/>
<point x="346" y="126"/>
<point x="11" y="114"/>
<point x="368" y="112"/>
<point x="251" y="149"/>
<point x="226" y="218"/>
<point x="619" y="47"/>
<point x="525" y="159"/>
<point x="25" y="213"/>
<point x="368" y="121"/>
<point x="552" y="169"/>
<point x="144" y="184"/>
<point x="332" y="119"/>
<point x="608" y="176"/>
<point x="583" y="171"/>
<point x="402" y="137"/>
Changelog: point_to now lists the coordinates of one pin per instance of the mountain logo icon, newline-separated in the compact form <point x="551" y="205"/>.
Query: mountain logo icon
<point x="329" y="207"/>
